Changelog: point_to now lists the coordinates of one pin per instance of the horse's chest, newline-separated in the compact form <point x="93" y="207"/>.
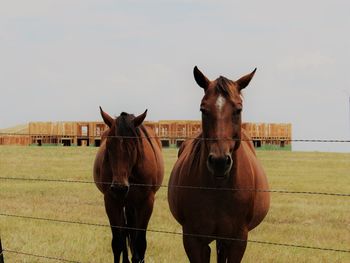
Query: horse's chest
<point x="218" y="212"/>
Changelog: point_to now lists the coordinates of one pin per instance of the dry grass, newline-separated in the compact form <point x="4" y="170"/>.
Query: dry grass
<point x="318" y="220"/>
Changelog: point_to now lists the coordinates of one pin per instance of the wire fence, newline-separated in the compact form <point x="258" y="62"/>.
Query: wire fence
<point x="177" y="233"/>
<point x="300" y="246"/>
<point x="158" y="231"/>
<point x="281" y="191"/>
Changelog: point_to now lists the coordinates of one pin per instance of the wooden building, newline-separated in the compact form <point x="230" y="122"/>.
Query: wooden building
<point x="279" y="134"/>
<point x="66" y="133"/>
<point x="170" y="132"/>
<point x="14" y="139"/>
<point x="175" y="131"/>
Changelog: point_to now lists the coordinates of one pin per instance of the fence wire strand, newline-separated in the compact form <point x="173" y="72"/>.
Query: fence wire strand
<point x="39" y="256"/>
<point x="178" y="233"/>
<point x="280" y="191"/>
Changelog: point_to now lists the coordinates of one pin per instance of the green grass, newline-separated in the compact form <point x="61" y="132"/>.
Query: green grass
<point x="272" y="147"/>
<point x="311" y="220"/>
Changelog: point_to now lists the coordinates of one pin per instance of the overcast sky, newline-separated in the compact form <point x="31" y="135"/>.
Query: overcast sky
<point x="60" y="60"/>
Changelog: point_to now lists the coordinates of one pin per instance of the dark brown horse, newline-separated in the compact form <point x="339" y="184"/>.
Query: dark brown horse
<point x="128" y="170"/>
<point x="221" y="157"/>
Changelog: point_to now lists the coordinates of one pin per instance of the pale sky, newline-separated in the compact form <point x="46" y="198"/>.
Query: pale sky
<point x="60" y="60"/>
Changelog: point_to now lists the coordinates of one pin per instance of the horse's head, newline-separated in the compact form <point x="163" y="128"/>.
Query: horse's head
<point x="123" y="147"/>
<point x="221" y="109"/>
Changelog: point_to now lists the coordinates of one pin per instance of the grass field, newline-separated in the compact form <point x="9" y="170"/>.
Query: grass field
<point x="310" y="220"/>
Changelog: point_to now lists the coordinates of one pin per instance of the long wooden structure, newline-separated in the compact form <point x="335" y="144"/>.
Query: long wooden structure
<point x="14" y="139"/>
<point x="171" y="132"/>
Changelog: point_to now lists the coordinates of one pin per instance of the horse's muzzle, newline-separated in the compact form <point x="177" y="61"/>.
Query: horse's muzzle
<point x="119" y="191"/>
<point x="219" y="166"/>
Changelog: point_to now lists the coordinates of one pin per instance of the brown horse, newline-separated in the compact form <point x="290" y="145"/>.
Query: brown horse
<point x="128" y="170"/>
<point x="221" y="157"/>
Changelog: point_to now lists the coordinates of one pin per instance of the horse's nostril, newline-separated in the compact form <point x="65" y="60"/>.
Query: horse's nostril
<point x="219" y="165"/>
<point x="124" y="189"/>
<point x="210" y="158"/>
<point x="113" y="187"/>
<point x="228" y="160"/>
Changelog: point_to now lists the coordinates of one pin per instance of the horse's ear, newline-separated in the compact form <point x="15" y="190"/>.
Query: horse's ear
<point x="201" y="80"/>
<point x="244" y="81"/>
<point x="139" y="119"/>
<point x="106" y="118"/>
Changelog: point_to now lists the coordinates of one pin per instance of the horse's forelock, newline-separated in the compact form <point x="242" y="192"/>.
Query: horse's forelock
<point x="225" y="87"/>
<point x="124" y="125"/>
<point x="126" y="130"/>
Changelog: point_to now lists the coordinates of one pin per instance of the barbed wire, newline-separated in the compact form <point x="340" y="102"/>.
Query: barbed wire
<point x="281" y="191"/>
<point x="177" y="233"/>
<point x="179" y="137"/>
<point x="39" y="256"/>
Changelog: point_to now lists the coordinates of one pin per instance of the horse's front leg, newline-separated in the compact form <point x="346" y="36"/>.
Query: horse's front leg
<point x="237" y="248"/>
<point x="221" y="251"/>
<point x="116" y="219"/>
<point x="119" y="245"/>
<point x="197" y="249"/>
<point x="139" y="218"/>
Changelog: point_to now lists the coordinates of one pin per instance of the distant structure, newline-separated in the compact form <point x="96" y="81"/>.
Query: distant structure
<point x="170" y="132"/>
<point x="66" y="133"/>
<point x="20" y="139"/>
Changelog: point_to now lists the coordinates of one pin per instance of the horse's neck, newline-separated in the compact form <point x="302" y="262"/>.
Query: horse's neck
<point x="145" y="142"/>
<point x="145" y="138"/>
